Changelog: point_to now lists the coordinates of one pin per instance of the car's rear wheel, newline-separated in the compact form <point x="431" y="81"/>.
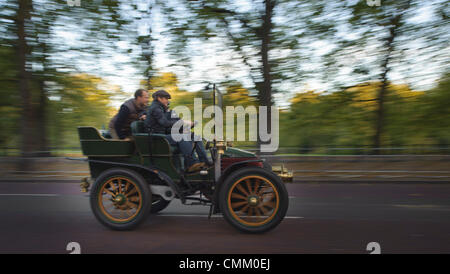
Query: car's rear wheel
<point x="253" y="200"/>
<point x="120" y="199"/>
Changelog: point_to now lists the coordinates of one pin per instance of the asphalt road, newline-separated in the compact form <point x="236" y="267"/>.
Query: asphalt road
<point x="322" y="218"/>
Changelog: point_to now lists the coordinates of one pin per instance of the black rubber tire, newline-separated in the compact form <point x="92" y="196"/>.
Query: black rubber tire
<point x="274" y="179"/>
<point x="143" y="187"/>
<point x="158" y="204"/>
<point x="267" y="166"/>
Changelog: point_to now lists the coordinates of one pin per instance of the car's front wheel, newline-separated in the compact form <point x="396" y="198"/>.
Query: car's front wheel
<point x="253" y="200"/>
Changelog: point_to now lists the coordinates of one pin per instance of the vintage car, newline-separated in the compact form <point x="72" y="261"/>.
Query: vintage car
<point x="131" y="179"/>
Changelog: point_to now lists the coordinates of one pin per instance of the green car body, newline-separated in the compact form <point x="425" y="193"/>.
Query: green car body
<point x="152" y="169"/>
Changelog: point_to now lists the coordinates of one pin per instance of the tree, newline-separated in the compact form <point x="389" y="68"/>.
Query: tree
<point x="384" y="40"/>
<point x="10" y="98"/>
<point x="34" y="29"/>
<point x="23" y="16"/>
<point x="263" y="34"/>
<point x="79" y="100"/>
<point x="435" y="112"/>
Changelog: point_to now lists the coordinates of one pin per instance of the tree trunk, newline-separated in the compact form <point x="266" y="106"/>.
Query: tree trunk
<point x="265" y="88"/>
<point x="41" y="116"/>
<point x="41" y="113"/>
<point x="382" y="92"/>
<point x="381" y="96"/>
<point x="23" y="16"/>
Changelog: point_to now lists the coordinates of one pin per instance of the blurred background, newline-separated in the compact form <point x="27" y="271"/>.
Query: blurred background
<point x="360" y="84"/>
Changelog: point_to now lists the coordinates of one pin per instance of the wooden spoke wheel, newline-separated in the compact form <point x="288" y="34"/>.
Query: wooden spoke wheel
<point x="253" y="199"/>
<point x="120" y="199"/>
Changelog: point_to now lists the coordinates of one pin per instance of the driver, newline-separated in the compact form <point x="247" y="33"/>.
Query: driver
<point x="158" y="121"/>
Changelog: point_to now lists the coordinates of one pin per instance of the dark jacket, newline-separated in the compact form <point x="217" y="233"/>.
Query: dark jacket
<point x="128" y="112"/>
<point x="159" y="119"/>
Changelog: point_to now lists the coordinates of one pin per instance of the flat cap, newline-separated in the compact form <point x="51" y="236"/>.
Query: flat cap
<point x="161" y="93"/>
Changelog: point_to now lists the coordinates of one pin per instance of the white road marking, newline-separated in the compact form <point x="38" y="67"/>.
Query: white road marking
<point x="213" y="216"/>
<point x="420" y="206"/>
<point x="37" y="195"/>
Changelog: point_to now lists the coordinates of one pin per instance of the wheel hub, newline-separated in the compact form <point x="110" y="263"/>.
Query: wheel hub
<point x="120" y="199"/>
<point x="253" y="200"/>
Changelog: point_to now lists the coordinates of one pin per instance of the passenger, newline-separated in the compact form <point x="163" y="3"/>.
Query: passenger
<point x="133" y="109"/>
<point x="159" y="121"/>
